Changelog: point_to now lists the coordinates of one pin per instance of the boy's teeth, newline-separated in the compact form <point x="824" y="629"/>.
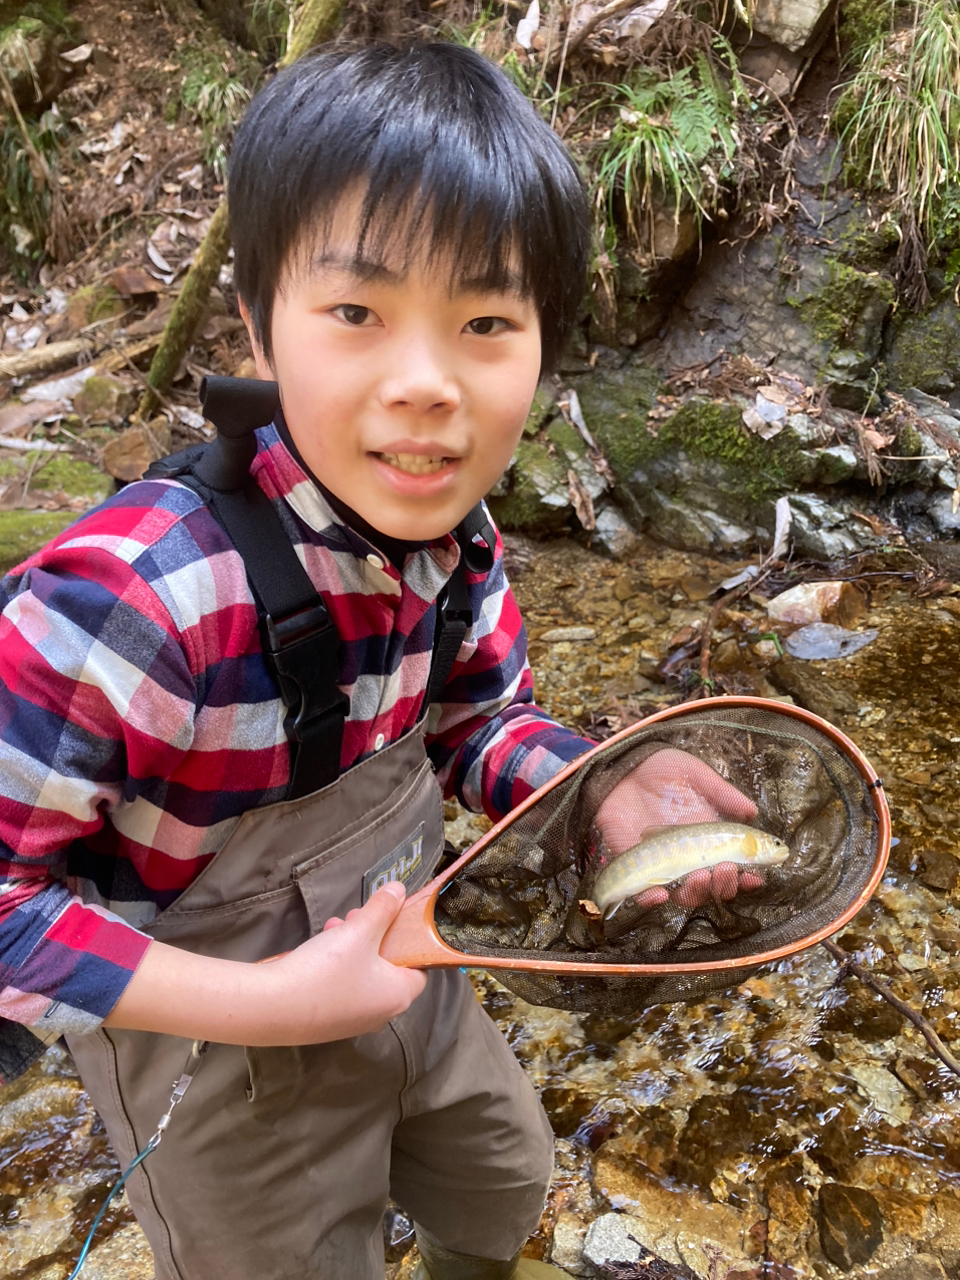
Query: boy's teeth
<point x="414" y="464"/>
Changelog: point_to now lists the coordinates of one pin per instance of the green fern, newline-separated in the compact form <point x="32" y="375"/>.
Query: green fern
<point x="674" y="140"/>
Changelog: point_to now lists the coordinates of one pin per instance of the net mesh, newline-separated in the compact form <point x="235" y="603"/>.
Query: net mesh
<point x="528" y="893"/>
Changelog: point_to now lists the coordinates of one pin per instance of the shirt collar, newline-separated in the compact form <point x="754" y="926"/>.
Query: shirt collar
<point x="301" y="492"/>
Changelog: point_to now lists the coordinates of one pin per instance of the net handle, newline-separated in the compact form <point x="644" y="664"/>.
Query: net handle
<point x="412" y="941"/>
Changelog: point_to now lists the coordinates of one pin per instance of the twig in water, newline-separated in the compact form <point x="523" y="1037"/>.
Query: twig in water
<point x="849" y="965"/>
<point x="708" y="629"/>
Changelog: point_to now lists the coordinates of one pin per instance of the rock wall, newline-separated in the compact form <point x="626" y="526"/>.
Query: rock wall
<point x="808" y="305"/>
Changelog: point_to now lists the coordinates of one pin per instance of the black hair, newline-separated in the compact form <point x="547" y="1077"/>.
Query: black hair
<point x="449" y="156"/>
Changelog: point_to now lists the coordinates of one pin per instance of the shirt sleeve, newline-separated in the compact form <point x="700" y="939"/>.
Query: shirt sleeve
<point x="489" y="742"/>
<point x="96" y="695"/>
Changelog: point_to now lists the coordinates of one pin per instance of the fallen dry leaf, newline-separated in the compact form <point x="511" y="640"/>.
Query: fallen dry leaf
<point x="875" y="439"/>
<point x="130" y="281"/>
<point x="14" y="417"/>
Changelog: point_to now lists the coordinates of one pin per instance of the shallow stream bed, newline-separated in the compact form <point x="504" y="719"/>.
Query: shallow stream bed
<point x="794" y="1127"/>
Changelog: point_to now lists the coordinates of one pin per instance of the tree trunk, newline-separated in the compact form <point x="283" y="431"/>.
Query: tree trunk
<point x="317" y="21"/>
<point x="187" y="310"/>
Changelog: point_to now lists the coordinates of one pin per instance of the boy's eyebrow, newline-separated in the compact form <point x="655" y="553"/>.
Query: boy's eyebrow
<point x="355" y="265"/>
<point x="373" y="269"/>
<point x="507" y="282"/>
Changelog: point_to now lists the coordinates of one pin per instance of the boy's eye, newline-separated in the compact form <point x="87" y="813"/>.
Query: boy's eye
<point x="486" y="324"/>
<point x="353" y="314"/>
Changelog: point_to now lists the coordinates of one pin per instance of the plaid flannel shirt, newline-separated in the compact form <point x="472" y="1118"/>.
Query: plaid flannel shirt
<point x="139" y="720"/>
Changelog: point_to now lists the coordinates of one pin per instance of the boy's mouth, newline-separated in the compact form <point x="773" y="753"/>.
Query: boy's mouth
<point x="414" y="464"/>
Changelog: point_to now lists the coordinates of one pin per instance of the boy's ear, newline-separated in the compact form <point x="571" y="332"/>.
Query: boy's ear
<point x="264" y="368"/>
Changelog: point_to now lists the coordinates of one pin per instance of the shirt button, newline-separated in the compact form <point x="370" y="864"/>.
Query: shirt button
<point x="378" y="742"/>
<point x="375" y="561"/>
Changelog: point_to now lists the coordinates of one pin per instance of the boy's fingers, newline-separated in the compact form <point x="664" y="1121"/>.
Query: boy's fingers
<point x="379" y="913"/>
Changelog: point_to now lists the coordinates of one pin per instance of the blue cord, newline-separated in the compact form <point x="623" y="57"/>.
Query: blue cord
<point x="180" y="1087"/>
<point x="138" y="1159"/>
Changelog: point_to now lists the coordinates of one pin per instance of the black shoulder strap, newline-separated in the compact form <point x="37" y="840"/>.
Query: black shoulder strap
<point x="454" y="615"/>
<point x="300" y="641"/>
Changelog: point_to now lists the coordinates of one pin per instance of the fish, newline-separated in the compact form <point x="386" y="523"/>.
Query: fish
<point x="669" y="853"/>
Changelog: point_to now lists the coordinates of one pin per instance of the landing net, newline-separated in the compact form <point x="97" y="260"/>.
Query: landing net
<point x="527" y="892"/>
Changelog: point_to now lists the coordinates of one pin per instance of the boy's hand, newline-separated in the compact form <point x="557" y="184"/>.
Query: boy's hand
<point x="340" y="981"/>
<point x="672" y="788"/>
<point x="332" y="987"/>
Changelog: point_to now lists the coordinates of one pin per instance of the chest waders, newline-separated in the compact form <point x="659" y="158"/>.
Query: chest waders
<point x="278" y="1161"/>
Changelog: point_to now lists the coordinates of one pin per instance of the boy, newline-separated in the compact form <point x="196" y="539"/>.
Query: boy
<point x="410" y="245"/>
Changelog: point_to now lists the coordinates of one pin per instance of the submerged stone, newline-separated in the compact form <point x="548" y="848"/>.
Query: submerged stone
<point x="824" y="641"/>
<point x="851" y="1225"/>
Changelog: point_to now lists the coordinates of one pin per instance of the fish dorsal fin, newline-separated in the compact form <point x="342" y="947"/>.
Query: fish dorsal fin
<point x="650" y="832"/>
<point x="675" y="828"/>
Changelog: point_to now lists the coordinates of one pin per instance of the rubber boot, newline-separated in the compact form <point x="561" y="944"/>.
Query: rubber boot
<point x="524" y="1269"/>
<point x="437" y="1263"/>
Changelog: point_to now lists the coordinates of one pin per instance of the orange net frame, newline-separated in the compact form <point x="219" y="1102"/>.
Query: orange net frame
<point x="520" y="901"/>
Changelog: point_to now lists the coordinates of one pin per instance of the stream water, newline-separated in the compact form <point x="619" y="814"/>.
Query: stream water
<point x="794" y="1127"/>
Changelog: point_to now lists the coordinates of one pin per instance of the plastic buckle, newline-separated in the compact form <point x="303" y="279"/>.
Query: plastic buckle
<point x="304" y="649"/>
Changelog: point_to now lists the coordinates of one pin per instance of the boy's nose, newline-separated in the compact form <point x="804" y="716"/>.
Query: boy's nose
<point x="419" y="378"/>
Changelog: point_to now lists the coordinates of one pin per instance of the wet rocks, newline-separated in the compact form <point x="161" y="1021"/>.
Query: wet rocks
<point x="671" y="1224"/>
<point x="558" y="634"/>
<point x="851" y="1225"/>
<point x="925" y="353"/>
<point x="918" y="1267"/>
<point x="824" y="529"/>
<point x="825" y="642"/>
<point x="704" y="1131"/>
<point x="835" y="602"/>
<point x="812" y="688"/>
<point x="612" y="1248"/>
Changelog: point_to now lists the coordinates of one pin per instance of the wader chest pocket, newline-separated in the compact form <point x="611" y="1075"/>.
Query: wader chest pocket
<point x="405" y="863"/>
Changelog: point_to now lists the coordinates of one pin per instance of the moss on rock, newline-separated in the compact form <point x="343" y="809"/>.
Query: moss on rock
<point x="74" y="477"/>
<point x="616" y="412"/>
<point x="58" y="473"/>
<point x="845" y="310"/>
<point x="753" y="467"/>
<point x="24" y="532"/>
<point x="849" y="299"/>
<point x="541" y="410"/>
<point x="564" y="437"/>
<point x="926" y="351"/>
<point x="93" y="302"/>
<point x="615" y="407"/>
<point x="535" y="501"/>
<point x="909" y="441"/>
<point x="863" y="241"/>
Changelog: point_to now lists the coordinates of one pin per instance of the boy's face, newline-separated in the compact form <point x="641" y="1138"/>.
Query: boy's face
<point x="406" y="396"/>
